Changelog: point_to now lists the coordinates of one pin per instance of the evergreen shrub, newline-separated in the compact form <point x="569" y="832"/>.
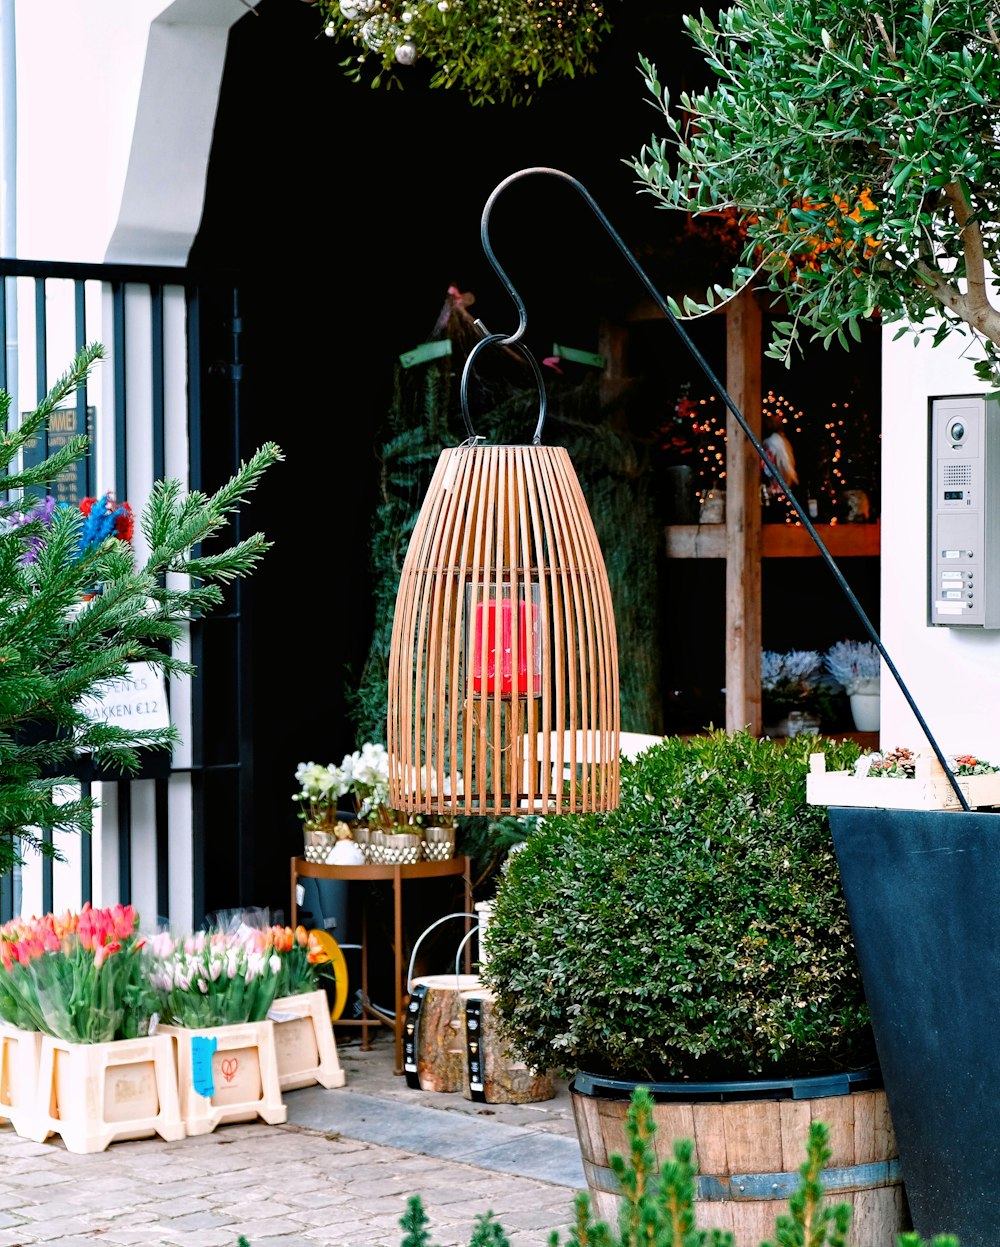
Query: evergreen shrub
<point x="698" y="931"/>
<point x="76" y="612"/>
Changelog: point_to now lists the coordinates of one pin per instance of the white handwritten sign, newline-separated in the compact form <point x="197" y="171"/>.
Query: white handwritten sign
<point x="138" y="700"/>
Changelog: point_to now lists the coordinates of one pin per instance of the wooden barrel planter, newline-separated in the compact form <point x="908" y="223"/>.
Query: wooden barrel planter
<point x="749" y="1143"/>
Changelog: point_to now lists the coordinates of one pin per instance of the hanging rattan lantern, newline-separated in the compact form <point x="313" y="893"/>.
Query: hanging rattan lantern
<point x="503" y="664"/>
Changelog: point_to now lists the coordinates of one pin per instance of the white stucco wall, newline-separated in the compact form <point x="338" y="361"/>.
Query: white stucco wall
<point x="116" y="104"/>
<point x="953" y="674"/>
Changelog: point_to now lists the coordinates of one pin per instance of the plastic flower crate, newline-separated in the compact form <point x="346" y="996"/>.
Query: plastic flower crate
<point x="96" y="1094"/>
<point x="929" y="789"/>
<point x="20" y="1051"/>
<point x="226" y="1074"/>
<point x="304" y="1042"/>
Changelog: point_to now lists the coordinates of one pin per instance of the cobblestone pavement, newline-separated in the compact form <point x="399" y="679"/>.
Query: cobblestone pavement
<point x="339" y="1173"/>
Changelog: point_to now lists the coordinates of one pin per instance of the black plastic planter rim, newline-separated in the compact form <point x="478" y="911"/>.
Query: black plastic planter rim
<point x="814" y="1087"/>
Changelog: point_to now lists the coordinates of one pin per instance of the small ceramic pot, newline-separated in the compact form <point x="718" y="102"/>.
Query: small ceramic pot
<point x="404" y="847"/>
<point x="439" y="843"/>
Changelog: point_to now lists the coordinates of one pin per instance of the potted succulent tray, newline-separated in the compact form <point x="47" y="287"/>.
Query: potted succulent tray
<point x="903" y="780"/>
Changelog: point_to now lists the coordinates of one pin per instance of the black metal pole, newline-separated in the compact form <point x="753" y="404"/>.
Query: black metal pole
<point x="720" y="390"/>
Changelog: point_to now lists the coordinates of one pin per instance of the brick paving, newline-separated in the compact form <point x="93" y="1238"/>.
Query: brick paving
<point x="338" y="1172"/>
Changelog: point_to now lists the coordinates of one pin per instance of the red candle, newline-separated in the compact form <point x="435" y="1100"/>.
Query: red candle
<point x="486" y="620"/>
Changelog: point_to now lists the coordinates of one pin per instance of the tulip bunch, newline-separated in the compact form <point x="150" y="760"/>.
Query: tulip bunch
<point x="300" y="955"/>
<point x="214" y="978"/>
<point x="90" y="976"/>
<point x="79" y="976"/>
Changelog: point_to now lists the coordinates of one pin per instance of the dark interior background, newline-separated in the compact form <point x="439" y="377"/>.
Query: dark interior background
<point x="348" y="212"/>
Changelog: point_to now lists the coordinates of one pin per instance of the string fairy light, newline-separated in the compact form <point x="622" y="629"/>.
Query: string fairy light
<point x="696" y="433"/>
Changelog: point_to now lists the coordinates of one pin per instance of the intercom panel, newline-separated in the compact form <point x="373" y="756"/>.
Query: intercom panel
<point x="964" y="512"/>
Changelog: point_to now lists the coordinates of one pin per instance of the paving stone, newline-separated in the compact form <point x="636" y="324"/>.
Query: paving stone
<point x="311" y="1182"/>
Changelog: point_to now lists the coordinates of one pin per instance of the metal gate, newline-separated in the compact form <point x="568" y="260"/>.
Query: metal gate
<point x="165" y="402"/>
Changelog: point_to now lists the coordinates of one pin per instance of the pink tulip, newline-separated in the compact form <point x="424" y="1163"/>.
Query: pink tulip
<point x="162" y="945"/>
<point x="104" y="951"/>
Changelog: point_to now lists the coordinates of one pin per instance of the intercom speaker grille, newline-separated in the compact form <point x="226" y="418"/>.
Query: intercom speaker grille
<point x="957" y="474"/>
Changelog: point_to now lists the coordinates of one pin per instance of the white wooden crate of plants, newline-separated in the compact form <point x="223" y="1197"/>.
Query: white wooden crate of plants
<point x="928" y="789"/>
<point x="234" y="1078"/>
<point x="94" y="1094"/>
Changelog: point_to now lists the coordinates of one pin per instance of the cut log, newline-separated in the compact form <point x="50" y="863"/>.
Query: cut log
<point x="435" y="1053"/>
<point x="489" y="1071"/>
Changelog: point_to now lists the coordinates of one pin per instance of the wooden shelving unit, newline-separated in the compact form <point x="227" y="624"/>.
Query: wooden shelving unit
<point x="743" y="541"/>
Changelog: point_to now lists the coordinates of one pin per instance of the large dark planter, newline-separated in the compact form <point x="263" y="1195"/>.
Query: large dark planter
<point x="923" y="895"/>
<point x="750" y="1140"/>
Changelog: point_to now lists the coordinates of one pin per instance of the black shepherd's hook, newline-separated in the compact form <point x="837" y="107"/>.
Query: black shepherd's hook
<point x="515" y="340"/>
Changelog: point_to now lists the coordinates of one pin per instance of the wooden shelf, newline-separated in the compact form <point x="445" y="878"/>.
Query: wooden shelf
<point x="744" y="542"/>
<point x="779" y="541"/>
<point x="397" y="874"/>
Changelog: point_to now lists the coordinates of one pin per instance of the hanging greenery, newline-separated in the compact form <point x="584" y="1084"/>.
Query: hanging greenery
<point x="496" y="51"/>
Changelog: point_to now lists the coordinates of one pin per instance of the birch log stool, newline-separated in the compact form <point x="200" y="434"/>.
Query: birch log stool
<point x="490" y="1073"/>
<point x="433" y="1052"/>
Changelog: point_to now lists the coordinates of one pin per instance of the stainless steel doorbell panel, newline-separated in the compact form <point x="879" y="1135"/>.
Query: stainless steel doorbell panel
<point x="964" y="511"/>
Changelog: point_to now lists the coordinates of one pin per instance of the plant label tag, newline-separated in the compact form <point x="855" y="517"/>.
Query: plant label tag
<point x="426" y="351"/>
<point x="202" y="1050"/>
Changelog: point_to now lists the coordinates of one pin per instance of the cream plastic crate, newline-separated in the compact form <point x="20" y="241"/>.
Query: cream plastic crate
<point x="304" y="1042"/>
<point x="20" y="1051"/>
<point x="245" y="1079"/>
<point x="929" y="789"/>
<point x="96" y="1094"/>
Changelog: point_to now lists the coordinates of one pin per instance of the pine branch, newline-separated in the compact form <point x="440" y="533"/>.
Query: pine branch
<point x="74" y="616"/>
<point x="28" y="478"/>
<point x="65" y="386"/>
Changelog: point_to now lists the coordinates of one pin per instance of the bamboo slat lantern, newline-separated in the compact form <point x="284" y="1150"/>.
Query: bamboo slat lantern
<point x="503" y="663"/>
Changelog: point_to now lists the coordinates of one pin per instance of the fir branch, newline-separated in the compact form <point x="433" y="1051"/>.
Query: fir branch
<point x="40" y="474"/>
<point x="75" y="612"/>
<point x="64" y="387"/>
<point x="233" y="563"/>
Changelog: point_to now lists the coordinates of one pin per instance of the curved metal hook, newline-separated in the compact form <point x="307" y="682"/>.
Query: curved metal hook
<point x="723" y="394"/>
<point x="490" y="340"/>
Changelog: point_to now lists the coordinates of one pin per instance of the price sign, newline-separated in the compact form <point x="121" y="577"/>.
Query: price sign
<point x="137" y="701"/>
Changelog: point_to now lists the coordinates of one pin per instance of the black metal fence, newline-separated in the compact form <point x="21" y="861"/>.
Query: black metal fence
<point x="172" y="356"/>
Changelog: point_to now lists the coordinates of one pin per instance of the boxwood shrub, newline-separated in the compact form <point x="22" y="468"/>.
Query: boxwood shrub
<point x="698" y="931"/>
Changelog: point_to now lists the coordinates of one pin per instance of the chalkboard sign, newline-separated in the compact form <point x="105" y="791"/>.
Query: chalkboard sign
<point x="72" y="484"/>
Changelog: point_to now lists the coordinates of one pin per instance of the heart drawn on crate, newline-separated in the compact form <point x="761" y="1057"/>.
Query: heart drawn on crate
<point x="229" y="1066"/>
